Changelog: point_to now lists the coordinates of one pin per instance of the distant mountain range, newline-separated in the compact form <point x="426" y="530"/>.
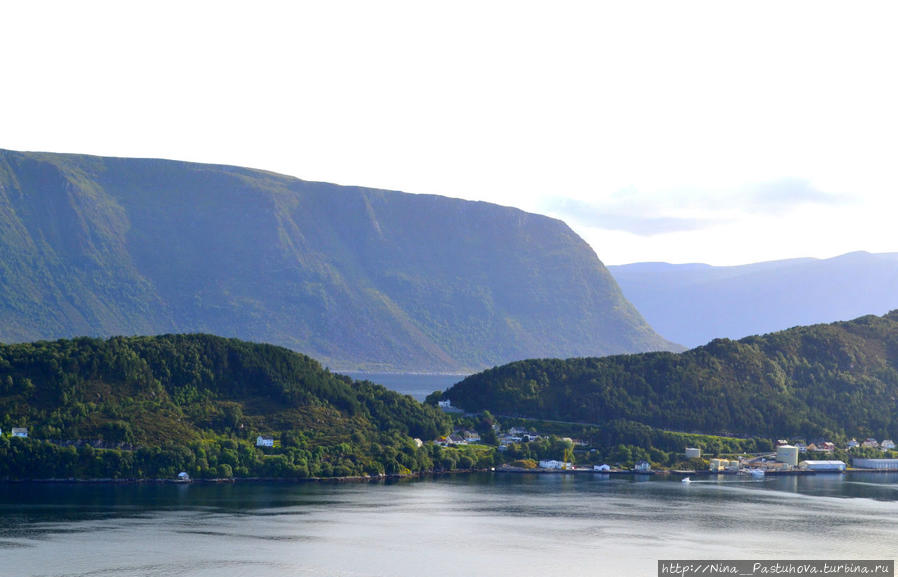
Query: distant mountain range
<point x="358" y="278"/>
<point x="694" y="303"/>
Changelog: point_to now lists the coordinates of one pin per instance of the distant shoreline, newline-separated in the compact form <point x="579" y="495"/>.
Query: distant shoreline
<point x="422" y="475"/>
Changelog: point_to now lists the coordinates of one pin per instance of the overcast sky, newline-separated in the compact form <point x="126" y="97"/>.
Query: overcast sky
<point x="716" y="132"/>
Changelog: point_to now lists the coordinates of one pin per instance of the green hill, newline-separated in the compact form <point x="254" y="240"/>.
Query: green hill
<point x="195" y="403"/>
<point x="824" y="380"/>
<point x="357" y="278"/>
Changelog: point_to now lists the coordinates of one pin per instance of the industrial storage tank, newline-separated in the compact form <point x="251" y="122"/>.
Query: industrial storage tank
<point x="787" y="454"/>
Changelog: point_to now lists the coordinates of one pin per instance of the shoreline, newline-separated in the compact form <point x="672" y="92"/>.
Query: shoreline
<point x="422" y="475"/>
<point x="234" y="480"/>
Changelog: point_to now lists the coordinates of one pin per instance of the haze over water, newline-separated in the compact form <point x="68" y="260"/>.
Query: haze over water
<point x="466" y="525"/>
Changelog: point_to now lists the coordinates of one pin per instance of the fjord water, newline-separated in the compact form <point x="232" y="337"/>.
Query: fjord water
<point x="466" y="525"/>
<point x="418" y="385"/>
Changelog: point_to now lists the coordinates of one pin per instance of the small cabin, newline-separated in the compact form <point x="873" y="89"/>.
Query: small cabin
<point x="264" y="441"/>
<point x="21" y="432"/>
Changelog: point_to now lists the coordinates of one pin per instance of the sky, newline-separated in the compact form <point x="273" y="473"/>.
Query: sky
<point x="716" y="132"/>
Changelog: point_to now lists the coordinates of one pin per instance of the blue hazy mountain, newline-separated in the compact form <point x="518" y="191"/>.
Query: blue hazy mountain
<point x="694" y="303"/>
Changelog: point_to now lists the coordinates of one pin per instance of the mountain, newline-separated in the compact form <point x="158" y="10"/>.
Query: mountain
<point x="358" y="278"/>
<point x="195" y="403"/>
<point x="832" y="380"/>
<point x="694" y="303"/>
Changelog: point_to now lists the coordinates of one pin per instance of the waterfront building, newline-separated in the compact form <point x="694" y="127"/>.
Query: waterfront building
<point x="834" y="466"/>
<point x="718" y="465"/>
<point x="693" y="453"/>
<point x="880" y="464"/>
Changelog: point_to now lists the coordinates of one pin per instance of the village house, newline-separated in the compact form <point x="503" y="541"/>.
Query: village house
<point x="870" y="443"/>
<point x="471" y="436"/>
<point x="21" y="432"/>
<point x="553" y="464"/>
<point x="264" y="441"/>
<point x="643" y="467"/>
<point x="887" y="445"/>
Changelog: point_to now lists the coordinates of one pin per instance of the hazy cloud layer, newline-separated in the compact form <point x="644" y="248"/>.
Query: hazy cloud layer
<point x="630" y="219"/>
<point x="788" y="193"/>
<point x="645" y="214"/>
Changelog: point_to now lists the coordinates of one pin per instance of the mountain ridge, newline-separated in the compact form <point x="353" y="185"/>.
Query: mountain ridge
<point x="359" y="278"/>
<point x="834" y="380"/>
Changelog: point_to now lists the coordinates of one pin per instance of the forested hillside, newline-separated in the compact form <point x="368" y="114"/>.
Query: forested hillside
<point x="827" y="380"/>
<point x="197" y="403"/>
<point x="357" y="278"/>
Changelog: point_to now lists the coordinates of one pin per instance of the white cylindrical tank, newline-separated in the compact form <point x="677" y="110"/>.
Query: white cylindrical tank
<point x="787" y="454"/>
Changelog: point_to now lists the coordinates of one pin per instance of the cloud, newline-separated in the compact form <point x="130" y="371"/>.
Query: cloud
<point x="635" y="219"/>
<point x="786" y="194"/>
<point x="683" y="210"/>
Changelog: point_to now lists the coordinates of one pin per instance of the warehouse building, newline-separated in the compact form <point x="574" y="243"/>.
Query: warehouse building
<point x="823" y="466"/>
<point x="879" y="464"/>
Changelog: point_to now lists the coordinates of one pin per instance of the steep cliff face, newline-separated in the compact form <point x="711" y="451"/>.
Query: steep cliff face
<point x="357" y="277"/>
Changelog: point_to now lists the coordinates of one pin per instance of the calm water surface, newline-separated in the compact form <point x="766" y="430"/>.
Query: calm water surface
<point x="497" y="525"/>
<point x="416" y="385"/>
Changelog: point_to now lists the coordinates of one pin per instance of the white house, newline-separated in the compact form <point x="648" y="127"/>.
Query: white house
<point x="642" y="467"/>
<point x="553" y="464"/>
<point x="601" y="468"/>
<point x="887" y="445"/>
<point x="264" y="441"/>
<point x="20" y="432"/>
<point x="444" y="404"/>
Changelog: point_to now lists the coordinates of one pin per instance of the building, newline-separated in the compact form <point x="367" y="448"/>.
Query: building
<point x="870" y="443"/>
<point x="601" y="468"/>
<point x="852" y="444"/>
<point x="880" y="464"/>
<point x="718" y="465"/>
<point x="834" y="466"/>
<point x="693" y="453"/>
<point x="21" y="432"/>
<point x="553" y="464"/>
<point x="887" y="445"/>
<point x="264" y="441"/>
<point x="471" y="436"/>
<point x="787" y="454"/>
<point x="643" y="467"/>
<point x="444" y="404"/>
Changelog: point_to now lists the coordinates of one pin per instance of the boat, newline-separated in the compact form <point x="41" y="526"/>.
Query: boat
<point x="755" y="473"/>
<point x="686" y="480"/>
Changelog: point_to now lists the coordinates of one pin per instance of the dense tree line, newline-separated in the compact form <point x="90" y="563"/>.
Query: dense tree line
<point x="831" y="381"/>
<point x="154" y="406"/>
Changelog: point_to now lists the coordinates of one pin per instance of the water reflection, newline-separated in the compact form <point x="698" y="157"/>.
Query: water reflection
<point x="460" y="525"/>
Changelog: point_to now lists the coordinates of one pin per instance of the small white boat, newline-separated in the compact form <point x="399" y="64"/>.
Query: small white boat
<point x="686" y="480"/>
